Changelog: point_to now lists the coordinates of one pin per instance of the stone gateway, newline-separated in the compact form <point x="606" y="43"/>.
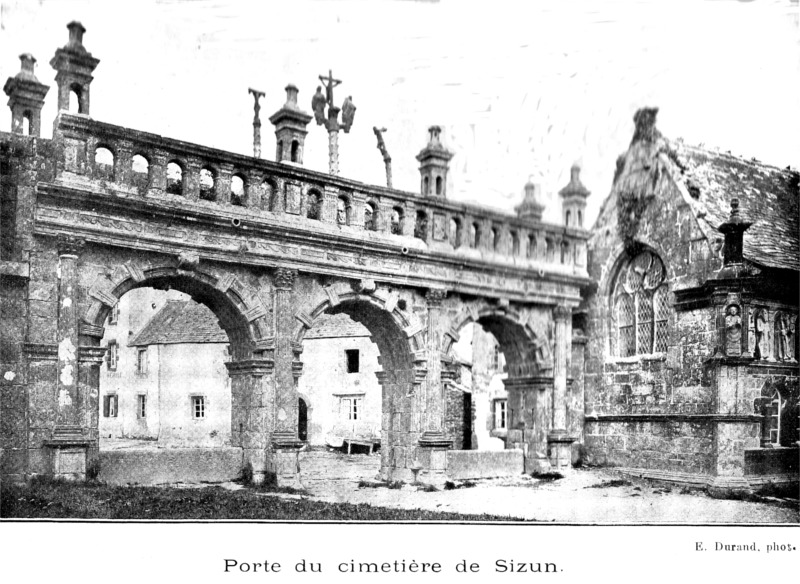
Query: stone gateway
<point x="663" y="341"/>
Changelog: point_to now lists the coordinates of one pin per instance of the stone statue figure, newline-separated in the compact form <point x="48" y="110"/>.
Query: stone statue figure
<point x="761" y="351"/>
<point x="784" y="333"/>
<point x="318" y="106"/>
<point x="348" y="113"/>
<point x="733" y="331"/>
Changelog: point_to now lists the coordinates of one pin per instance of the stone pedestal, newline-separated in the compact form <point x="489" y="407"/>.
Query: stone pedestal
<point x="286" y="462"/>
<point x="69" y="453"/>
<point x="432" y="458"/>
<point x="559" y="447"/>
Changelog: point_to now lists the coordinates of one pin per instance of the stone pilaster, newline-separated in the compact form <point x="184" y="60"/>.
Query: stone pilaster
<point x="69" y="439"/>
<point x="558" y="439"/>
<point x="285" y="443"/>
<point x="433" y="443"/>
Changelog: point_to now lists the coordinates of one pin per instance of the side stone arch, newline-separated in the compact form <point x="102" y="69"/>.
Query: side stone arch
<point x="239" y="309"/>
<point x="527" y="352"/>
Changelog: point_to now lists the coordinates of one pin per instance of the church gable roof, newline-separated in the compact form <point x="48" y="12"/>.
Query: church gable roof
<point x="769" y="197"/>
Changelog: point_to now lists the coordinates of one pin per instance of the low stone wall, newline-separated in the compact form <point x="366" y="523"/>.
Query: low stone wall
<point x="170" y="465"/>
<point x="479" y="464"/>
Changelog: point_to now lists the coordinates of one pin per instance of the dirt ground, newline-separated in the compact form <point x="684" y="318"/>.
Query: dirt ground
<point x="583" y="496"/>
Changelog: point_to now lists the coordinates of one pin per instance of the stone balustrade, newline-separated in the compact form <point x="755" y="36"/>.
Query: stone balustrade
<point x="267" y="190"/>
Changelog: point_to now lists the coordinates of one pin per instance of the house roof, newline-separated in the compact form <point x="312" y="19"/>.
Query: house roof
<point x="328" y="326"/>
<point x="768" y="197"/>
<point x="181" y="321"/>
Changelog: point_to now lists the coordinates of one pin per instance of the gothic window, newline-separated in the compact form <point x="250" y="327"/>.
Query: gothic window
<point x="640" y="307"/>
<point x="514" y="243"/>
<point x="778" y="408"/>
<point x="474" y="235"/>
<point x="531" y="251"/>
<point x="495" y="238"/>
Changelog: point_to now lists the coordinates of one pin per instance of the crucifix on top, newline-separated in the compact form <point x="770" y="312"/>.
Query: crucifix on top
<point x="331" y="122"/>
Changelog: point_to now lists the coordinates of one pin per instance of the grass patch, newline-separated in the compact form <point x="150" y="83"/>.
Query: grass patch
<point x="56" y="500"/>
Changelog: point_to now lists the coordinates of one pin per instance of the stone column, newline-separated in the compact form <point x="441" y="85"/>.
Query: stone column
<point x="123" y="159"/>
<point x="333" y="140"/>
<point x="558" y="439"/>
<point x="69" y="440"/>
<point x="433" y="442"/>
<point x="158" y="173"/>
<point x="285" y="442"/>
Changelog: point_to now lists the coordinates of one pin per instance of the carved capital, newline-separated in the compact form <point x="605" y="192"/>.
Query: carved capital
<point x="365" y="286"/>
<point x="562" y="313"/>
<point x="69" y="245"/>
<point x="435" y="296"/>
<point x="284" y="278"/>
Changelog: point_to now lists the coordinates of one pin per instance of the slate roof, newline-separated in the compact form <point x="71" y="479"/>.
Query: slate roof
<point x="768" y="197"/>
<point x="328" y="326"/>
<point x="181" y="321"/>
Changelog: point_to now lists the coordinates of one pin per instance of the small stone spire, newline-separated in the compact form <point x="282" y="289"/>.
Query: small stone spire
<point x="531" y="208"/>
<point x="290" y="128"/>
<point x="434" y="161"/>
<point x="25" y="97"/>
<point x="734" y="229"/>
<point x="74" y="66"/>
<point x="573" y="198"/>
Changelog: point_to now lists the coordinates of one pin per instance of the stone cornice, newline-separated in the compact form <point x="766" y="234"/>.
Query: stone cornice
<point x="209" y="233"/>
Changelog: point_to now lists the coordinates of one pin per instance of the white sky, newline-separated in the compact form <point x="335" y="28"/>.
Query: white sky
<point x="520" y="88"/>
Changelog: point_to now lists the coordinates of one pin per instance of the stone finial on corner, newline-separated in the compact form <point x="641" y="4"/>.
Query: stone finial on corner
<point x="645" y="120"/>
<point x="734" y="229"/>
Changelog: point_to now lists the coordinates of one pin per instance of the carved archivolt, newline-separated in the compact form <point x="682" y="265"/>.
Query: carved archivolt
<point x="238" y="307"/>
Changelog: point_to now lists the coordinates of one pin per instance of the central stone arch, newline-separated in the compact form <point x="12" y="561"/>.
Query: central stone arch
<point x="241" y="315"/>
<point x="397" y="333"/>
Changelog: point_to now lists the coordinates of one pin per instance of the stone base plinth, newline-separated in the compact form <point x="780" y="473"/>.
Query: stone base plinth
<point x="559" y="446"/>
<point x="727" y="487"/>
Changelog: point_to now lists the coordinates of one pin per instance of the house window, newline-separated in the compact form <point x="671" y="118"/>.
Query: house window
<point x="110" y="404"/>
<point x="141" y="406"/>
<point x="500" y="414"/>
<point x="352" y="357"/>
<point x="198" y="407"/>
<point x="350" y="408"/>
<point x="141" y="361"/>
<point x="640" y="308"/>
<point x="113" y="315"/>
<point x="113" y="355"/>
